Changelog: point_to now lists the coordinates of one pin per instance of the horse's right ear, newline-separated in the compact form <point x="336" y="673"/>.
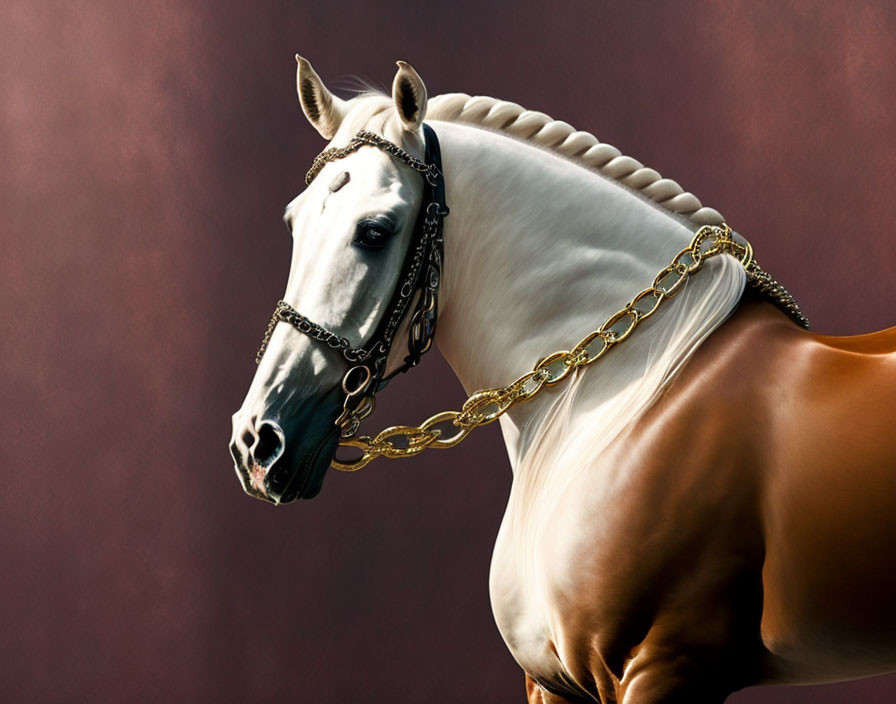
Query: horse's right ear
<point x="323" y="109"/>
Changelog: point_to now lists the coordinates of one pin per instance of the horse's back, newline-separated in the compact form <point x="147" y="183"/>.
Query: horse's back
<point x="879" y="342"/>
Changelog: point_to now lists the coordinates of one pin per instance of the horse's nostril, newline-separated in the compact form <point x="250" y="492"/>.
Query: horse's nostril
<point x="270" y="445"/>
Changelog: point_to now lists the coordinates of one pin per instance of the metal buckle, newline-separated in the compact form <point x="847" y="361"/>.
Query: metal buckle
<point x="432" y="174"/>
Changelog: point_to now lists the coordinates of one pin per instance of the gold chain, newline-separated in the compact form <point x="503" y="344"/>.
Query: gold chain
<point x="448" y="428"/>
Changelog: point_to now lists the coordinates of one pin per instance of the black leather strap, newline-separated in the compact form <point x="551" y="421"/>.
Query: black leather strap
<point x="429" y="224"/>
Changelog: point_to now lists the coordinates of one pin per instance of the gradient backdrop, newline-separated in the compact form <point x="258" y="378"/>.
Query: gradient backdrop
<point x="148" y="150"/>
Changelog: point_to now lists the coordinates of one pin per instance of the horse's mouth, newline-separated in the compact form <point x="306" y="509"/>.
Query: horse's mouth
<point x="257" y="476"/>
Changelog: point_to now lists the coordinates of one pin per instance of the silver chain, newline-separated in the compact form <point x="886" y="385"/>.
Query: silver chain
<point x="366" y="138"/>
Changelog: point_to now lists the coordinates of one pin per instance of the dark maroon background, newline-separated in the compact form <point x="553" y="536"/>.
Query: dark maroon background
<point x="147" y="152"/>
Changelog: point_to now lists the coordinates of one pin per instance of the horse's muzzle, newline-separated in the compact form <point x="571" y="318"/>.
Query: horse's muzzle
<point x="281" y="459"/>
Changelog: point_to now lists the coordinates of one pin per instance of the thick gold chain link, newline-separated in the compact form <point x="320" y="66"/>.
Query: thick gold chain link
<point x="448" y="428"/>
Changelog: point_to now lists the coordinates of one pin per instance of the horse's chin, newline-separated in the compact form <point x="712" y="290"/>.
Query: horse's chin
<point x="311" y="441"/>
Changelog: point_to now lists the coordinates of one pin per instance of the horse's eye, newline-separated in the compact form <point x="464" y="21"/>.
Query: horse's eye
<point x="372" y="234"/>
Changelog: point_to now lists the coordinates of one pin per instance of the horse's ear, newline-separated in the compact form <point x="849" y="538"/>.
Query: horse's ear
<point x="409" y="95"/>
<point x="323" y="109"/>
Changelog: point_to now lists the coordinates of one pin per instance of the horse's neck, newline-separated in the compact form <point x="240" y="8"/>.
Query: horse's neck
<point x="539" y="251"/>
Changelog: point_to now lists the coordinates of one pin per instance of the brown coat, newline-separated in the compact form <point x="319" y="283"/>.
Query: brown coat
<point x="762" y="520"/>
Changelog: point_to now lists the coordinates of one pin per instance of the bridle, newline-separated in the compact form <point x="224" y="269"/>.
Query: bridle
<point x="417" y="285"/>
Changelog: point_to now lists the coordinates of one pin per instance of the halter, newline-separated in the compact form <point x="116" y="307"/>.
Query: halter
<point x="419" y="282"/>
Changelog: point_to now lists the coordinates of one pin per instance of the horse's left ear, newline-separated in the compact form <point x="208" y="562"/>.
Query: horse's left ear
<point x="409" y="95"/>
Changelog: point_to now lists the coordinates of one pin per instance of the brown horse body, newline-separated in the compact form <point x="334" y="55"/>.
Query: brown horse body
<point x="676" y="530"/>
<point x="752" y="541"/>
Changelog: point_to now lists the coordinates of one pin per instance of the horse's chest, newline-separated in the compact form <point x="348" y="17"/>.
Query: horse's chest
<point x="544" y="596"/>
<point x="522" y="610"/>
<point x="581" y="570"/>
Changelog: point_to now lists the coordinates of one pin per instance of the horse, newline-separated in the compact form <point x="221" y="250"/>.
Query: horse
<point x="709" y="507"/>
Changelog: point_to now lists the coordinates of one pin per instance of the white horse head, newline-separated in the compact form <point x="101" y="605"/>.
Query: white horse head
<point x="351" y="229"/>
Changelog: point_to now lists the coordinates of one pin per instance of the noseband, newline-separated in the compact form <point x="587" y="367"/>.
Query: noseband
<point x="418" y="284"/>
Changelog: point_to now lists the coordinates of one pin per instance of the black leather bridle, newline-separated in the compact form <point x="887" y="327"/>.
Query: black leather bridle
<point x="418" y="284"/>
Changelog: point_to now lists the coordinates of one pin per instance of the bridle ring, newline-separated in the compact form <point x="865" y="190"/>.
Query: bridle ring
<point x="366" y="376"/>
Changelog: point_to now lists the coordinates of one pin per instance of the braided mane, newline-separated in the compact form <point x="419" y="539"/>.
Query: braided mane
<point x="564" y="139"/>
<point x="373" y="108"/>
